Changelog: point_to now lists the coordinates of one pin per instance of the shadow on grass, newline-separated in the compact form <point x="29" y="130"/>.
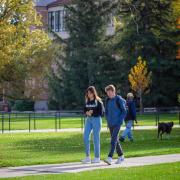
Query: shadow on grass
<point x="43" y="148"/>
<point x="69" y="144"/>
<point x="145" y="140"/>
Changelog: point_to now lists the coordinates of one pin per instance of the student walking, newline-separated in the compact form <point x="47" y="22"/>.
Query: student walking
<point x="115" y="112"/>
<point x="130" y="118"/>
<point x="94" y="110"/>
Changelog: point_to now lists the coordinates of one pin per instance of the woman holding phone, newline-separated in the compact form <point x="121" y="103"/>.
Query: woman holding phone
<point x="93" y="110"/>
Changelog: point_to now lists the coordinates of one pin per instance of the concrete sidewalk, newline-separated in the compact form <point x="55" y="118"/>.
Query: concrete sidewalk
<point x="79" y="129"/>
<point x="79" y="167"/>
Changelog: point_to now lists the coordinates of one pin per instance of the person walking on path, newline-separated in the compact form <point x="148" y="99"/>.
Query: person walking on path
<point x="115" y="111"/>
<point x="130" y="118"/>
<point x="93" y="110"/>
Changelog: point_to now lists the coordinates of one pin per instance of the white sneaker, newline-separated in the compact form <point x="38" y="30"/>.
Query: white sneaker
<point x="95" y="160"/>
<point x="120" y="160"/>
<point x="108" y="160"/>
<point x="86" y="160"/>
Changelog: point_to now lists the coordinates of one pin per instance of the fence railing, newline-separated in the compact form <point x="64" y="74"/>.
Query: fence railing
<point x="55" y="119"/>
<point x="30" y="119"/>
<point x="159" y="111"/>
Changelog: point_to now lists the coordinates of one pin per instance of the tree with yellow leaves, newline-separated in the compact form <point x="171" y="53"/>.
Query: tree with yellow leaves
<point x="21" y="43"/>
<point x="176" y="8"/>
<point x="140" y="79"/>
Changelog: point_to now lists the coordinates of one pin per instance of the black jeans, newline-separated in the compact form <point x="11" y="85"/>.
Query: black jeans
<point x="114" y="131"/>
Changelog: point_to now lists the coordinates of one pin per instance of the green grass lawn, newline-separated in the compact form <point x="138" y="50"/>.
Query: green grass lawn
<point x="43" y="148"/>
<point x="169" y="171"/>
<point x="149" y="119"/>
<point x="22" y="122"/>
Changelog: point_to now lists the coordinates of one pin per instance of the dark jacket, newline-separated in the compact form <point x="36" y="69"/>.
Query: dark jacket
<point x="131" y="110"/>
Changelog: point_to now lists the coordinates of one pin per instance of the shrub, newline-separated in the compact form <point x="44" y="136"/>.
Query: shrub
<point x="23" y="105"/>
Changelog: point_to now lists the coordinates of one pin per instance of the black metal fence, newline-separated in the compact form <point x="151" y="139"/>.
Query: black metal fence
<point x="158" y="111"/>
<point x="29" y="119"/>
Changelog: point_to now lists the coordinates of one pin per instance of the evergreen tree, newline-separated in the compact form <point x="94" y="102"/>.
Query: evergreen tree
<point x="149" y="30"/>
<point x="87" y="54"/>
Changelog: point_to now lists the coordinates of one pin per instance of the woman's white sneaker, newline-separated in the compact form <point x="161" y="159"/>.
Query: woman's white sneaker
<point x="96" y="160"/>
<point x="120" y="160"/>
<point x="86" y="160"/>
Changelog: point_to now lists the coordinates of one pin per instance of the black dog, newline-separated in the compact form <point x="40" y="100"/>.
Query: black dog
<point x="164" y="128"/>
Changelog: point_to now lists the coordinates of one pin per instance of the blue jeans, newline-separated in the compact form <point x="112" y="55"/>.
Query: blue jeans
<point x="127" y="131"/>
<point x="92" y="123"/>
<point x="114" y="130"/>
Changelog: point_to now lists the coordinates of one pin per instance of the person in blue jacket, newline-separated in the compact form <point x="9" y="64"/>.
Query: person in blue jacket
<point x="115" y="111"/>
<point x="130" y="118"/>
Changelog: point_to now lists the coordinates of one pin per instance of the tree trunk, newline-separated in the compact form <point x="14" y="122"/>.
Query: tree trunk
<point x="3" y="95"/>
<point x="141" y="102"/>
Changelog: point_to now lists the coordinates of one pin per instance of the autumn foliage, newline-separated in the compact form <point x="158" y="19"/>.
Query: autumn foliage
<point x="140" y="78"/>
<point x="22" y="45"/>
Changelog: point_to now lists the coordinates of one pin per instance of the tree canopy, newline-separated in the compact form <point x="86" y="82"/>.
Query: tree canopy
<point x="21" y="42"/>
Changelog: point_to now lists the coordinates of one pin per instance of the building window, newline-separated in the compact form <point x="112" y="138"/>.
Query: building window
<point x="51" y="20"/>
<point x="56" y="20"/>
<point x="61" y="20"/>
<point x="64" y="20"/>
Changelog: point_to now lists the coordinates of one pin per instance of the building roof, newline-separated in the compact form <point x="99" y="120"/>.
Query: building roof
<point x="43" y="2"/>
<point x="58" y="2"/>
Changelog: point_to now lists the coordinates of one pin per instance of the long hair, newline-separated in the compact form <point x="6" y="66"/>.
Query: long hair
<point x="92" y="89"/>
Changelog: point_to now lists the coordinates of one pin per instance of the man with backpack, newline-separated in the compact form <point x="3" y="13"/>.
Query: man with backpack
<point x="130" y="118"/>
<point x="115" y="111"/>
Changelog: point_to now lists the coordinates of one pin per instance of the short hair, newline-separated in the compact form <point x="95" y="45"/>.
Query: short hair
<point x="130" y="95"/>
<point x="110" y="88"/>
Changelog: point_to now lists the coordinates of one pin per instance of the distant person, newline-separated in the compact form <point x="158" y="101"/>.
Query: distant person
<point x="115" y="112"/>
<point x="130" y="118"/>
<point x="93" y="109"/>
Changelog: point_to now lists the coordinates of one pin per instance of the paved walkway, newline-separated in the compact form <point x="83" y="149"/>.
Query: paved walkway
<point x="79" y="129"/>
<point x="79" y="167"/>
